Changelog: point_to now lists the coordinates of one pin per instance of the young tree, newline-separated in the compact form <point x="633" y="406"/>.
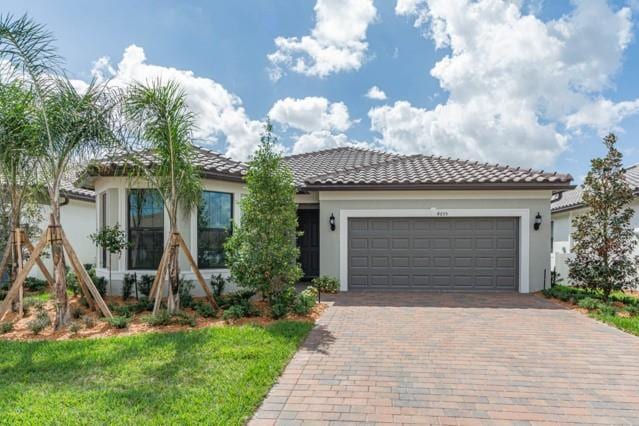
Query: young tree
<point x="113" y="240"/>
<point x="73" y="126"/>
<point x="262" y="253"/>
<point x="604" y="239"/>
<point x="163" y="127"/>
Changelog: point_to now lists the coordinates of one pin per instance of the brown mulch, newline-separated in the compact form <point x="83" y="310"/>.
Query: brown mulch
<point x="102" y="328"/>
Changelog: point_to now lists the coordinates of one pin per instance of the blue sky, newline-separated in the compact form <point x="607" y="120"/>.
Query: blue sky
<point x="528" y="83"/>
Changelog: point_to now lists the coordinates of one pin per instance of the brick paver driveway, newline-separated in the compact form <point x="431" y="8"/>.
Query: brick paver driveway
<point x="457" y="359"/>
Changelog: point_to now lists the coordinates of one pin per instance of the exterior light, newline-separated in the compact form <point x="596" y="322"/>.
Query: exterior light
<point x="331" y="222"/>
<point x="537" y="223"/>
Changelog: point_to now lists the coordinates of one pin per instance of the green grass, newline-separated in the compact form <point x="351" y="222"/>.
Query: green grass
<point x="206" y="376"/>
<point x="627" y="324"/>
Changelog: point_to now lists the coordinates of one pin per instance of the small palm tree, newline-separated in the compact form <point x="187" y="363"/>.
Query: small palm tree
<point x="73" y="126"/>
<point x="162" y="126"/>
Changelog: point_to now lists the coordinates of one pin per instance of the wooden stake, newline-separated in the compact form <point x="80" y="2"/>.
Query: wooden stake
<point x="163" y="260"/>
<point x="83" y="275"/>
<point x="22" y="275"/>
<point x="196" y="271"/>
<point x="160" y="277"/>
<point x="18" y="239"/>
<point x="41" y="265"/>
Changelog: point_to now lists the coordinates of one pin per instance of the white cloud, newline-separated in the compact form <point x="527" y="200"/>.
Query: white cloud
<point x="311" y="114"/>
<point x="324" y="139"/>
<point x="518" y="87"/>
<point x="376" y="93"/>
<point x="336" y="43"/>
<point x="218" y="112"/>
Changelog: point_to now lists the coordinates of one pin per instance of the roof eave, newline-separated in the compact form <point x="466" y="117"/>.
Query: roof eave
<point x="436" y="186"/>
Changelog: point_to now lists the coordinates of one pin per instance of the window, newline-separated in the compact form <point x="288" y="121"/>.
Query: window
<point x="214" y="219"/>
<point x="103" y="222"/>
<point x="146" y="229"/>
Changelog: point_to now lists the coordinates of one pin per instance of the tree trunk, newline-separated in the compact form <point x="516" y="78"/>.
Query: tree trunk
<point x="59" y="269"/>
<point x="173" y="302"/>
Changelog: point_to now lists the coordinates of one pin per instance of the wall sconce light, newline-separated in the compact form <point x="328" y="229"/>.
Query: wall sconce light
<point x="537" y="223"/>
<point x="331" y="222"/>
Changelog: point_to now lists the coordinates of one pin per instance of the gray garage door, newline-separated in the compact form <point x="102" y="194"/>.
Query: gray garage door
<point x="433" y="254"/>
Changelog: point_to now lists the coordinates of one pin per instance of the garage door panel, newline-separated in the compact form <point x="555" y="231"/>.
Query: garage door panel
<point x="437" y="254"/>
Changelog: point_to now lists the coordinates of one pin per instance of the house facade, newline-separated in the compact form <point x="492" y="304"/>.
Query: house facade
<point x="565" y="207"/>
<point x="376" y="221"/>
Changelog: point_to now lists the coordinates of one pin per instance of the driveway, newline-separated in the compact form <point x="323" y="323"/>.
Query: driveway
<point x="491" y="359"/>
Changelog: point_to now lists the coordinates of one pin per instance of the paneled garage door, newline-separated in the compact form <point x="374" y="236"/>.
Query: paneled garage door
<point x="433" y="254"/>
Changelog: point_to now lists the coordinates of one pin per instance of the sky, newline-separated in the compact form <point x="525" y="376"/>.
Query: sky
<point x="528" y="83"/>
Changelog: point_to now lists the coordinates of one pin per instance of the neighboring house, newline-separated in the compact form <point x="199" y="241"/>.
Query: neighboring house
<point x="77" y="216"/>
<point x="565" y="206"/>
<point x="375" y="220"/>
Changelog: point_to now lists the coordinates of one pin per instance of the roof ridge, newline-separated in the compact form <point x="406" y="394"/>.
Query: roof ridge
<point x="301" y="154"/>
<point x="348" y="147"/>
<point x="225" y="157"/>
<point x="358" y="168"/>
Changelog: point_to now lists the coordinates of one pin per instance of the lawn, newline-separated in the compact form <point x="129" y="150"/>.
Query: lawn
<point x="621" y="310"/>
<point x="213" y="375"/>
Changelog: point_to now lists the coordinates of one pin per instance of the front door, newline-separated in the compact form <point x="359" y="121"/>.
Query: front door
<point x="308" y="242"/>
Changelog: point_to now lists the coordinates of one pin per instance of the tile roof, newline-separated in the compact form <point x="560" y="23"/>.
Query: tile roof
<point x="317" y="163"/>
<point x="68" y="188"/>
<point x="429" y="171"/>
<point x="572" y="199"/>
<point x="211" y="163"/>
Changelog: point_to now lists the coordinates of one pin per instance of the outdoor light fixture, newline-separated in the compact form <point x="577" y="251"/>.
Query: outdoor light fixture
<point x="537" y="221"/>
<point x="331" y="222"/>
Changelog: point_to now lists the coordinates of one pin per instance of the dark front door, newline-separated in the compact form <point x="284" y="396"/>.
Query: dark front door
<point x="308" y="243"/>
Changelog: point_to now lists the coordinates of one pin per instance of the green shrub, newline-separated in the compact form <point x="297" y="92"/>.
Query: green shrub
<point x="145" y="284"/>
<point x="183" y="318"/>
<point x="76" y="312"/>
<point x="39" y="323"/>
<point x="100" y="282"/>
<point x="218" y="282"/>
<point x="304" y="303"/>
<point x="326" y="284"/>
<point x="35" y="284"/>
<point x="589" y="303"/>
<point x="279" y="310"/>
<point x="6" y="327"/>
<point x="632" y="310"/>
<point x="129" y="281"/>
<point x="75" y="327"/>
<point x="608" y="310"/>
<point x="119" y="321"/>
<point x="185" y="288"/>
<point x="88" y="321"/>
<point x="234" y="312"/>
<point x="161" y="318"/>
<point x="72" y="283"/>
<point x="204" y="309"/>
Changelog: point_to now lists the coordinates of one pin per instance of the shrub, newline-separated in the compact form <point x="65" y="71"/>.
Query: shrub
<point x="77" y="312"/>
<point x="218" y="282"/>
<point x="128" y="283"/>
<point x="632" y="310"/>
<point x="119" y="321"/>
<point x="122" y="310"/>
<point x="279" y="310"/>
<point x="326" y="284"/>
<point x="304" y="303"/>
<point x="72" y="283"/>
<point x="161" y="318"/>
<point x="88" y="321"/>
<point x="589" y="303"/>
<point x="75" y="327"/>
<point x="234" y="312"/>
<point x="6" y="327"/>
<point x="39" y="323"/>
<point x="242" y="297"/>
<point x="185" y="288"/>
<point x="607" y="310"/>
<point x="205" y="310"/>
<point x="183" y="318"/>
<point x="145" y="284"/>
<point x="100" y="282"/>
<point x="35" y="284"/>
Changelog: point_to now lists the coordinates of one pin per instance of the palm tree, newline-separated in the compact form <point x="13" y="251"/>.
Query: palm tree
<point x="162" y="126"/>
<point x="73" y="126"/>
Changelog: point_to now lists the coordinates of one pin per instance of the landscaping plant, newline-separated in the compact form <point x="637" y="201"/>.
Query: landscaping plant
<point x="261" y="253"/>
<point x="604" y="237"/>
<point x="113" y="240"/>
<point x="162" y="125"/>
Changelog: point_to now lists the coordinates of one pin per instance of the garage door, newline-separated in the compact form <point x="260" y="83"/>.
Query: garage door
<point x="433" y="254"/>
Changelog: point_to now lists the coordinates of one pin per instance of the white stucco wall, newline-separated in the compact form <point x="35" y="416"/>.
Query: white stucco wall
<point x="428" y="203"/>
<point x="78" y="222"/>
<point x="562" y="238"/>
